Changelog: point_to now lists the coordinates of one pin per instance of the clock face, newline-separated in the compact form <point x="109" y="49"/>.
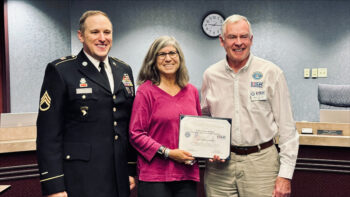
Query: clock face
<point x="211" y="24"/>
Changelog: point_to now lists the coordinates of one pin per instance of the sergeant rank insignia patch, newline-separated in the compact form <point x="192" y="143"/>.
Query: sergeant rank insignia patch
<point x="45" y="102"/>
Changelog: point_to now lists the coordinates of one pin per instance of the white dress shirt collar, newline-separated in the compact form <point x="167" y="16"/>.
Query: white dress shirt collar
<point x="245" y="67"/>
<point x="108" y="68"/>
<point x="96" y="62"/>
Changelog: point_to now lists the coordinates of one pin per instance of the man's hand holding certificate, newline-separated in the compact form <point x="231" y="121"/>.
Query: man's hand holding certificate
<point x="205" y="137"/>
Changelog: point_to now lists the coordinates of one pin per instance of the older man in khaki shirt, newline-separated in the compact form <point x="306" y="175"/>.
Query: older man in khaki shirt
<point x="254" y="93"/>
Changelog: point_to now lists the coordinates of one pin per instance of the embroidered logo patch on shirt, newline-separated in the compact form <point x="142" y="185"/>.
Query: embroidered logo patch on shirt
<point x="256" y="84"/>
<point x="257" y="75"/>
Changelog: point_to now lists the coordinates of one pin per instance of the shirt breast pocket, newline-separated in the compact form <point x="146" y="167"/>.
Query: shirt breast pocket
<point x="263" y="105"/>
<point x="257" y="100"/>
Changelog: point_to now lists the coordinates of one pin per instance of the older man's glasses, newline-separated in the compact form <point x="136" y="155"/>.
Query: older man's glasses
<point x="172" y="54"/>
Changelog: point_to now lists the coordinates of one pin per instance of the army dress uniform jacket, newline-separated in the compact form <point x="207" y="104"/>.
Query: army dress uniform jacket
<point x="82" y="129"/>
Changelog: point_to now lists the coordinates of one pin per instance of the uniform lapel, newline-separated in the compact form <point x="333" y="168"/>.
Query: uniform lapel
<point x="117" y="73"/>
<point x="90" y="71"/>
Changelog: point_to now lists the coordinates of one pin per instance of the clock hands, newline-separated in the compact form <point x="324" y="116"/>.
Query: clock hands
<point x="214" y="24"/>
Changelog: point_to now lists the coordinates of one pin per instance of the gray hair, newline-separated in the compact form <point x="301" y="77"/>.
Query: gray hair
<point x="149" y="69"/>
<point x="233" y="19"/>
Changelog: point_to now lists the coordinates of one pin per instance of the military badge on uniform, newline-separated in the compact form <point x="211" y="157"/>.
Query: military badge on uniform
<point x="83" y="83"/>
<point x="128" y="84"/>
<point x="257" y="75"/>
<point x="84" y="110"/>
<point x="84" y="63"/>
<point x="83" y="91"/>
<point x="130" y="90"/>
<point x="126" y="80"/>
<point x="45" y="102"/>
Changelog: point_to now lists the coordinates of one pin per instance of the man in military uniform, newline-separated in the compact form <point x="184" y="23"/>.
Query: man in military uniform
<point x="85" y="106"/>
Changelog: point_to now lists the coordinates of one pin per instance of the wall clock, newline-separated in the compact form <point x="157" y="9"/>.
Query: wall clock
<point x="211" y="24"/>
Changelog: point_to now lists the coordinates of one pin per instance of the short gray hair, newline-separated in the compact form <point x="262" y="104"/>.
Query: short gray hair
<point x="233" y="19"/>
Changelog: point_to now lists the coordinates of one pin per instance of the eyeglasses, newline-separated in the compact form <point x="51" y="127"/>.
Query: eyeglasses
<point x="172" y="54"/>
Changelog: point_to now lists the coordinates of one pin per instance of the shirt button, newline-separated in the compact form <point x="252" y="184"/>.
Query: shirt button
<point x="114" y="96"/>
<point x="83" y="97"/>
<point x="116" y="137"/>
<point x="114" y="109"/>
<point x="68" y="157"/>
<point x="115" y="123"/>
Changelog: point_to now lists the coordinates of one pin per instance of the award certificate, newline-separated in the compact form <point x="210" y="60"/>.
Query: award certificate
<point x="205" y="137"/>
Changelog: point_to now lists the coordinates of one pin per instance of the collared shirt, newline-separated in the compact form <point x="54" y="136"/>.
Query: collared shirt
<point x="108" y="69"/>
<point x="257" y="99"/>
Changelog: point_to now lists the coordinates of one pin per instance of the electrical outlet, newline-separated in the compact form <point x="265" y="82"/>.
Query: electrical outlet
<point x="306" y="130"/>
<point x="306" y="72"/>
<point x="314" y="72"/>
<point x="322" y="72"/>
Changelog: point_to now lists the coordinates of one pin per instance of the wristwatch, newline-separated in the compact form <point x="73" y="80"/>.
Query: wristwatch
<point x="163" y="151"/>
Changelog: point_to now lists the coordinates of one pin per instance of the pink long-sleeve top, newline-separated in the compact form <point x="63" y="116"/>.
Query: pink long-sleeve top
<point x="154" y="122"/>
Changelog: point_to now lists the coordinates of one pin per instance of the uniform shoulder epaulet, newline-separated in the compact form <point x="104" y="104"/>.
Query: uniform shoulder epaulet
<point x="64" y="59"/>
<point x="119" y="61"/>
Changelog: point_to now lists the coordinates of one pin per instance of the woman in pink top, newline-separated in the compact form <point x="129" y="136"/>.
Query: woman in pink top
<point x="163" y="95"/>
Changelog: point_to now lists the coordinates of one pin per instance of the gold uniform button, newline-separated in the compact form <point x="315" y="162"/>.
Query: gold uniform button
<point x="114" y="109"/>
<point x="68" y="157"/>
<point x="84" y="97"/>
<point x="116" y="137"/>
<point x="114" y="96"/>
<point x="115" y="123"/>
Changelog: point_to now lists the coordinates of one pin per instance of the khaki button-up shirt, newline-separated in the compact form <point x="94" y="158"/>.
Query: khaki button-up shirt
<point x="257" y="99"/>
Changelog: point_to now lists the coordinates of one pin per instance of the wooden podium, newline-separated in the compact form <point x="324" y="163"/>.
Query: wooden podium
<point x="323" y="164"/>
<point x="19" y="174"/>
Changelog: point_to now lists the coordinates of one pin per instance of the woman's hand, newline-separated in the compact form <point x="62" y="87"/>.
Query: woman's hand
<point x="216" y="158"/>
<point x="132" y="182"/>
<point x="181" y="156"/>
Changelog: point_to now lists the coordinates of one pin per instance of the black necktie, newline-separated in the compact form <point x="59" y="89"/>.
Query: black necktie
<point x="103" y="72"/>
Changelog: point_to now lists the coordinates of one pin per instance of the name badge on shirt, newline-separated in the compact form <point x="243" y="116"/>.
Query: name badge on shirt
<point x="84" y="90"/>
<point x="258" y="96"/>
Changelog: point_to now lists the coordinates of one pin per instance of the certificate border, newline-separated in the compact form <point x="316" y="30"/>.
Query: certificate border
<point x="229" y="120"/>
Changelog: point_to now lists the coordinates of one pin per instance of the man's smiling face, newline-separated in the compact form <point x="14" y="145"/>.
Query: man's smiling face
<point x="237" y="42"/>
<point x="97" y="37"/>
